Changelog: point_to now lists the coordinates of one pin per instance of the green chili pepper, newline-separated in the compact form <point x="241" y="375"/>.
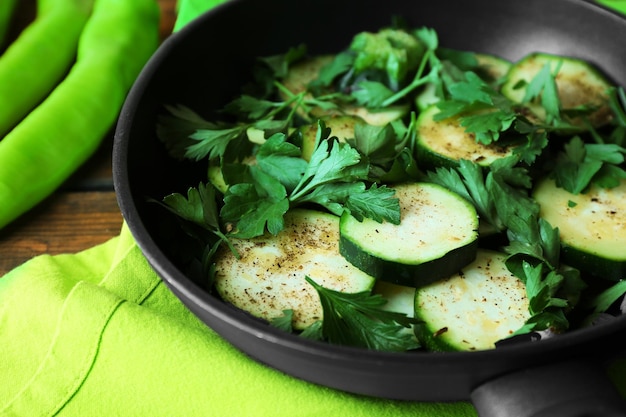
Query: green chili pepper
<point x="35" y="62"/>
<point x="7" y="7"/>
<point x="45" y="148"/>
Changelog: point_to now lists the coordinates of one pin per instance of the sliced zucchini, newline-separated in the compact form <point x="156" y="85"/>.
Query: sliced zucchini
<point x="436" y="237"/>
<point x="472" y="309"/>
<point x="444" y="143"/>
<point x="301" y="74"/>
<point x="592" y="226"/>
<point x="578" y="84"/>
<point x="269" y="276"/>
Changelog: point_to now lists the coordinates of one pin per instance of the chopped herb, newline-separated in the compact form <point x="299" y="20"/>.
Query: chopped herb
<point x="358" y="319"/>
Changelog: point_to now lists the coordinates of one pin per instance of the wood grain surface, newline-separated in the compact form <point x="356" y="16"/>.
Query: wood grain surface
<point x="84" y="211"/>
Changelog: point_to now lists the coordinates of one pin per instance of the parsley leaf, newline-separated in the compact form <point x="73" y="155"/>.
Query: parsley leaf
<point x="176" y="125"/>
<point x="212" y="143"/>
<point x="331" y="161"/>
<point x="340" y="65"/>
<point x="283" y="322"/>
<point x="251" y="210"/>
<point x="198" y="206"/>
<point x="334" y="178"/>
<point x="543" y="87"/>
<point x="281" y="160"/>
<point x="580" y="164"/>
<point x="372" y="94"/>
<point x="378" y="203"/>
<point x="546" y="310"/>
<point x="358" y="319"/>
<point x="483" y="111"/>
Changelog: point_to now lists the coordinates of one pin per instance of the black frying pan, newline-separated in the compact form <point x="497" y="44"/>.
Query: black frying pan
<point x="203" y="65"/>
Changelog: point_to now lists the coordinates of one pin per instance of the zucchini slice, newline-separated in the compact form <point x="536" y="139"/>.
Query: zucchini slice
<point x="436" y="237"/>
<point x="578" y="84"/>
<point x="269" y="276"/>
<point x="592" y="226"/>
<point x="473" y="309"/>
<point x="444" y="143"/>
<point x="302" y="73"/>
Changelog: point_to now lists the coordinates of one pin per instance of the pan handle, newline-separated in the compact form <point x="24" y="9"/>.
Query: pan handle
<point x="562" y="389"/>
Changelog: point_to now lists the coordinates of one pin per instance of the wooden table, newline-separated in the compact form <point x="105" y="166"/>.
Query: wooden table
<point x="84" y="211"/>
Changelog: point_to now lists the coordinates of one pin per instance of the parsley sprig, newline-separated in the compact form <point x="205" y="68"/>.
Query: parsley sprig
<point x="580" y="164"/>
<point x="359" y="319"/>
<point x="336" y="178"/>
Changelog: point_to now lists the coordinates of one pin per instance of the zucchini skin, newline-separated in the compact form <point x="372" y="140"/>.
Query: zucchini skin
<point x="594" y="265"/>
<point x="398" y="253"/>
<point x="405" y="274"/>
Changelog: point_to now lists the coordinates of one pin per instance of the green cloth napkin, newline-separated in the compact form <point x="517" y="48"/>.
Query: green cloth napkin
<point x="97" y="333"/>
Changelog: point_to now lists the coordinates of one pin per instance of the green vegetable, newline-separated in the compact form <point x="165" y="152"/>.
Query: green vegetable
<point x="300" y="86"/>
<point x="341" y="126"/>
<point x="443" y="143"/>
<point x="502" y="199"/>
<point x="267" y="273"/>
<point x="7" y="7"/>
<point x="554" y="85"/>
<point x="360" y="319"/>
<point x="39" y="58"/>
<point x="394" y="52"/>
<point x="473" y="309"/>
<point x="437" y="236"/>
<point x="580" y="165"/>
<point x="592" y="229"/>
<point x="335" y="178"/>
<point x="63" y="131"/>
